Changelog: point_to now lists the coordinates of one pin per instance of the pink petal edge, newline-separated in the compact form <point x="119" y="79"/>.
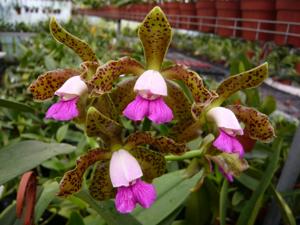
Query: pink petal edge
<point x="137" y="109"/>
<point x="144" y="193"/>
<point x="159" y="111"/>
<point x="63" y="110"/>
<point x="125" y="201"/>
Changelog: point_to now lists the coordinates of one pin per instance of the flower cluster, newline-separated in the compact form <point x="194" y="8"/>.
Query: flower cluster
<point x="95" y="96"/>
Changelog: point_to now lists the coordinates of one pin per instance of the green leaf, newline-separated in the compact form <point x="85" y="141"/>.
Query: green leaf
<point x="237" y="198"/>
<point x="48" y="194"/>
<point x="81" y="48"/>
<point x="286" y="211"/>
<point x="8" y="216"/>
<point x="250" y="211"/>
<point x="27" y="155"/>
<point x="172" y="190"/>
<point x="61" y="132"/>
<point x="247" y="79"/>
<point x="15" y="106"/>
<point x="75" y="219"/>
<point x="223" y="202"/>
<point x="155" y="34"/>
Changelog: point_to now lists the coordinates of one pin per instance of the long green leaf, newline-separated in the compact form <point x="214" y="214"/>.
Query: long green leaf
<point x="250" y="211"/>
<point x="172" y="190"/>
<point x="48" y="194"/>
<point x="223" y="202"/>
<point x="18" y="158"/>
<point x="286" y="211"/>
<point x="15" y="105"/>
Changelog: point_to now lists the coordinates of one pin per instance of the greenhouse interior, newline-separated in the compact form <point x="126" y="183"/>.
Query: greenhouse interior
<point x="144" y="112"/>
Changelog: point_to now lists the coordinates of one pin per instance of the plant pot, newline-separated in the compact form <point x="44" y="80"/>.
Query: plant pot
<point x="188" y="9"/>
<point x="260" y="10"/>
<point x="228" y="9"/>
<point x="206" y="8"/>
<point x="173" y="10"/>
<point x="289" y="11"/>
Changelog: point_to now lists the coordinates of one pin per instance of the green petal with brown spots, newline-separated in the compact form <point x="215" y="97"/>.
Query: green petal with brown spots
<point x="106" y="74"/>
<point x="80" y="47"/>
<point x="106" y="106"/>
<point x="153" y="163"/>
<point x="162" y="144"/>
<point x="155" y="34"/>
<point x="193" y="81"/>
<point x="101" y="187"/>
<point x="123" y="94"/>
<point x="230" y="163"/>
<point x="181" y="109"/>
<point x="89" y="68"/>
<point x="97" y="124"/>
<point x="257" y="124"/>
<point x="247" y="79"/>
<point x="72" y="180"/>
<point x="45" y="85"/>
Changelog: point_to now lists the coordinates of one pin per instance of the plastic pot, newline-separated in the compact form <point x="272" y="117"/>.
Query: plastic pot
<point x="260" y="10"/>
<point x="228" y="9"/>
<point x="289" y="11"/>
<point x="206" y="8"/>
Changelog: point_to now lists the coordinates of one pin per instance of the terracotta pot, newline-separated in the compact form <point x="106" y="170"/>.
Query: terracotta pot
<point x="206" y="8"/>
<point x="261" y="10"/>
<point x="173" y="10"/>
<point x="288" y="10"/>
<point x="228" y="9"/>
<point x="188" y="9"/>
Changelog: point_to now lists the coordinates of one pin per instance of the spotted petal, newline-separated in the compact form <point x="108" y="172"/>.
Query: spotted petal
<point x="101" y="187"/>
<point x="155" y="34"/>
<point x="247" y="79"/>
<point x="257" y="124"/>
<point x="193" y="81"/>
<point x="163" y="144"/>
<point x="45" y="85"/>
<point x="88" y="69"/>
<point x="106" y="74"/>
<point x="81" y="48"/>
<point x="72" y="180"/>
<point x="153" y="163"/>
<point x="97" y="124"/>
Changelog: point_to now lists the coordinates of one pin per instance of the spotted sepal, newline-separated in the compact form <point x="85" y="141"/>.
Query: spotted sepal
<point x="72" y="180"/>
<point x="155" y="34"/>
<point x="80" y="47"/>
<point x="247" y="79"/>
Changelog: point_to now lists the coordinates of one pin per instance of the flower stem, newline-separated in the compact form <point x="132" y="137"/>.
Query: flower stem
<point x="187" y="155"/>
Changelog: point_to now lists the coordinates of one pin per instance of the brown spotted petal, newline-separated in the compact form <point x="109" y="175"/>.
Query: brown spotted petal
<point x="193" y="81"/>
<point x="155" y="34"/>
<point x="123" y="94"/>
<point x="106" y="74"/>
<point x="163" y="144"/>
<point x="101" y="187"/>
<point x="247" y="79"/>
<point x="153" y="163"/>
<point x="257" y="124"/>
<point x="181" y="109"/>
<point x="72" y="180"/>
<point x="45" y="85"/>
<point x="98" y="124"/>
<point x="81" y="48"/>
<point x="230" y="163"/>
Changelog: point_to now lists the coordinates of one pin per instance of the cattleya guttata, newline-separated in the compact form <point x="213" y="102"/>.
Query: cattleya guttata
<point x="98" y="96"/>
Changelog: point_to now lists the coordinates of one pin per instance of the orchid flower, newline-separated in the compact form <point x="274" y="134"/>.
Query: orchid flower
<point x="68" y="84"/>
<point x="229" y="127"/>
<point x="69" y="93"/>
<point x="125" y="174"/>
<point x="152" y="97"/>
